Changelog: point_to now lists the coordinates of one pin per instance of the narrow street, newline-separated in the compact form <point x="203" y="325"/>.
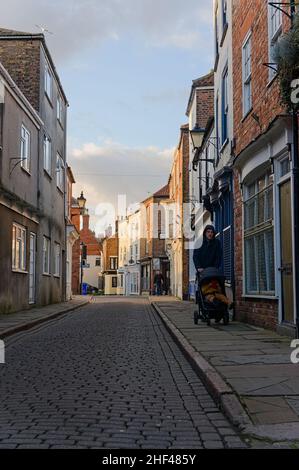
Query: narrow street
<point x="106" y="376"/>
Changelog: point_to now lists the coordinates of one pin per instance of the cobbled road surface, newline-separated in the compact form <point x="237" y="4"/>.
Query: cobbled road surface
<point x="106" y="376"/>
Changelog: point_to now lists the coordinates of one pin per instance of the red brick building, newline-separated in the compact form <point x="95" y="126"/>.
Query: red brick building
<point x="178" y="198"/>
<point x="92" y="265"/>
<point x="262" y="171"/>
<point x="110" y="263"/>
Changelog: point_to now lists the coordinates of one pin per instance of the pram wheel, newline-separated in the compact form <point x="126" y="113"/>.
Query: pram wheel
<point x="226" y="318"/>
<point x="195" y="317"/>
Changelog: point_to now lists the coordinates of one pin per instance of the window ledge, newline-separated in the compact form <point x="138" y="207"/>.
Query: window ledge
<point x="49" y="100"/>
<point x="224" y="145"/>
<point x="216" y="62"/>
<point x="26" y="171"/>
<point x="47" y="274"/>
<point x="19" y="271"/>
<point x="272" y="80"/>
<point x="47" y="174"/>
<point x="60" y="190"/>
<point x="225" y="28"/>
<point x="247" y="114"/>
<point x="57" y="276"/>
<point x="60" y="124"/>
<point x="261" y="296"/>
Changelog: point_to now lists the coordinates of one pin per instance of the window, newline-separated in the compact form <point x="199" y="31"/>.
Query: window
<point x="59" y="172"/>
<point x="98" y="261"/>
<point x="259" y="237"/>
<point x="274" y="31"/>
<point x="246" y="71"/>
<point x="225" y="106"/>
<point x="47" y="154"/>
<point x="114" y="281"/>
<point x="25" y="148"/>
<point x="48" y="82"/>
<point x="59" y="109"/>
<point x="57" y="259"/>
<point x="113" y="262"/>
<point x="285" y="167"/>
<point x="18" y="247"/>
<point x="46" y="255"/>
<point x="216" y="33"/>
<point x="224" y="14"/>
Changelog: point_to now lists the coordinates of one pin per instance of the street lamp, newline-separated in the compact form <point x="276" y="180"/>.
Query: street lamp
<point x="81" y="201"/>
<point x="197" y="135"/>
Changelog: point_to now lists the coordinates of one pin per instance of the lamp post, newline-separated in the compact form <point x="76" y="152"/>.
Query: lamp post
<point x="295" y="171"/>
<point x="81" y="201"/>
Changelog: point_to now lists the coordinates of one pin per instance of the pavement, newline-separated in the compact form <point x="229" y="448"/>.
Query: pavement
<point x="247" y="369"/>
<point x="15" y="322"/>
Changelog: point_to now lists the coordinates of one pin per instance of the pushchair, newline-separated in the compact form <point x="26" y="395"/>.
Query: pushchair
<point x="210" y="310"/>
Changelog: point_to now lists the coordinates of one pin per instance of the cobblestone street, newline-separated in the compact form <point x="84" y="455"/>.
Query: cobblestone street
<point x="106" y="376"/>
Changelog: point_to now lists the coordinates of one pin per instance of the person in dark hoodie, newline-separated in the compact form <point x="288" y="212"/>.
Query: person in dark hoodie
<point x="209" y="255"/>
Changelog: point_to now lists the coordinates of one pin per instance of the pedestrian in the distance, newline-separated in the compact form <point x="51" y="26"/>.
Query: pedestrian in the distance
<point x="159" y="282"/>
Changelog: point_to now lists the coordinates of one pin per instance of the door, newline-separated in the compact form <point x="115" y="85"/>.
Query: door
<point x="286" y="249"/>
<point x="32" y="261"/>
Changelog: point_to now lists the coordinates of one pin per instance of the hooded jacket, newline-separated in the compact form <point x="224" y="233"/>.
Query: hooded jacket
<point x="210" y="253"/>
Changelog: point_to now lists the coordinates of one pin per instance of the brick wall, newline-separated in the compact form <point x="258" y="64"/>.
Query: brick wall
<point x="21" y="58"/>
<point x="252" y="15"/>
<point x="185" y="199"/>
<point x="260" y="312"/>
<point x="110" y="248"/>
<point x="204" y="106"/>
<point x="89" y="239"/>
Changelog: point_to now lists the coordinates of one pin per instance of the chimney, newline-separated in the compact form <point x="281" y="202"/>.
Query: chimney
<point x="86" y="221"/>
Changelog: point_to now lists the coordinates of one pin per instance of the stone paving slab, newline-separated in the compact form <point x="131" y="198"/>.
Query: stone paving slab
<point x="255" y="364"/>
<point x="270" y="410"/>
<point x="18" y="321"/>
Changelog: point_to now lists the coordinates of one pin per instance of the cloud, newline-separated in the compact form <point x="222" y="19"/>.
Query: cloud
<point x="78" y="24"/>
<point x="111" y="169"/>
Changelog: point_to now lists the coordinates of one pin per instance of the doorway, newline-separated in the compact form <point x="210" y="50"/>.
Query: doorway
<point x="286" y="252"/>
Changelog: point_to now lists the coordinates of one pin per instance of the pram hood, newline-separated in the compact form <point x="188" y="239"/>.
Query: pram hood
<point x="211" y="273"/>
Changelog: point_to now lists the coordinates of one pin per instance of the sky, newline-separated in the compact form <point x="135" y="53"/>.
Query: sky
<point x="126" y="67"/>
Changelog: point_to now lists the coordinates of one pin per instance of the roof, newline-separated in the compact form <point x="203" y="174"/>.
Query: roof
<point x="163" y="192"/>
<point x="10" y="34"/>
<point x="204" y="81"/>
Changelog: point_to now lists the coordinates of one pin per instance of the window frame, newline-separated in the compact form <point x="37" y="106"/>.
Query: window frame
<point x="60" y="172"/>
<point x="46" y="240"/>
<point x="254" y="232"/>
<point x="59" y="111"/>
<point x="113" y="262"/>
<point x="273" y="35"/>
<point x="19" y="264"/>
<point x="224" y="106"/>
<point x="25" y="151"/>
<point x="57" y="259"/>
<point x="48" y="156"/>
<point x="48" y="82"/>
<point x="247" y="79"/>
